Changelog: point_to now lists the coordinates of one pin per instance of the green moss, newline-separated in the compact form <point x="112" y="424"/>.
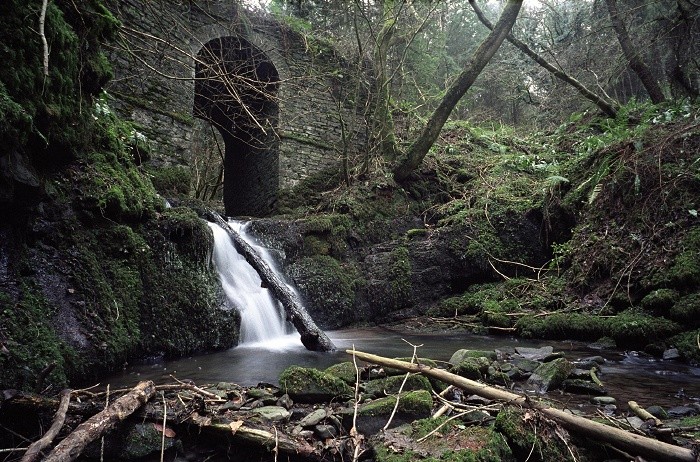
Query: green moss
<point x="397" y="289"/>
<point x="687" y="344"/>
<point x="686" y="311"/>
<point x="416" y="403"/>
<point x="171" y="181"/>
<point x="391" y="385"/>
<point x="474" y="443"/>
<point x="685" y="271"/>
<point x="344" y="371"/>
<point x="330" y="284"/>
<point x="628" y="329"/>
<point x="533" y="439"/>
<point x="471" y="368"/>
<point x="310" y="385"/>
<point x="659" y="301"/>
<point x="31" y="343"/>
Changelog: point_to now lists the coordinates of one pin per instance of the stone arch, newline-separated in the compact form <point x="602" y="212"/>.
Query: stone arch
<point x="236" y="87"/>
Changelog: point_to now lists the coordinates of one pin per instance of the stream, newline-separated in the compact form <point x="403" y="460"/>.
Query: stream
<point x="626" y="375"/>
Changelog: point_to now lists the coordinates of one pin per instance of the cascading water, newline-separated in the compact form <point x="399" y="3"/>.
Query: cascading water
<point x="262" y="318"/>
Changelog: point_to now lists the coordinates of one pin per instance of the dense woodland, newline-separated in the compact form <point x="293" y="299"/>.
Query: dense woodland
<point x="531" y="169"/>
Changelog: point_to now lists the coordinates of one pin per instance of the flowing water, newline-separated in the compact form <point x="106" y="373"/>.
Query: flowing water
<point x="268" y="345"/>
<point x="262" y="316"/>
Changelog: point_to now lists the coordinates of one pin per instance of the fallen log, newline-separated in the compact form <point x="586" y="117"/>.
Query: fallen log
<point x="90" y="430"/>
<point x="312" y="337"/>
<point x="36" y="447"/>
<point x="629" y="442"/>
<point x="273" y="441"/>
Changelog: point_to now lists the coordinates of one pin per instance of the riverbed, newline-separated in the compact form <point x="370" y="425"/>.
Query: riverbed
<point x="626" y="375"/>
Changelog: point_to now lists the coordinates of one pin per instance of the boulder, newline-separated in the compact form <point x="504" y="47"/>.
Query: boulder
<point x="390" y="385"/>
<point x="550" y="375"/>
<point x="372" y="416"/>
<point x="535" y="354"/>
<point x="583" y="387"/>
<point x="308" y="385"/>
<point x="471" y="368"/>
<point x="345" y="371"/>
<point x="460" y="355"/>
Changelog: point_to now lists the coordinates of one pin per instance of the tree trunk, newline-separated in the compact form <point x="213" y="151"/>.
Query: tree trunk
<point x="630" y="442"/>
<point x="635" y="60"/>
<point x="312" y="337"/>
<point x="454" y="93"/>
<point x="607" y="107"/>
<point x="96" y="426"/>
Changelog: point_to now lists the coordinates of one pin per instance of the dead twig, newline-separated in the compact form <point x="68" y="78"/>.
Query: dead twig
<point x="35" y="448"/>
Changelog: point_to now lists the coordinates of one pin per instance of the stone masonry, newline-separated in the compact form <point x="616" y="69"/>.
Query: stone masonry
<point x="310" y="115"/>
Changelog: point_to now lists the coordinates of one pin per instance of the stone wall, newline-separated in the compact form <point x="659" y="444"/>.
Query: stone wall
<point x="319" y="103"/>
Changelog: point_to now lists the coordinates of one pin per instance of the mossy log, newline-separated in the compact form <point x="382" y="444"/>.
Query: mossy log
<point x="629" y="442"/>
<point x="94" y="427"/>
<point x="312" y="337"/>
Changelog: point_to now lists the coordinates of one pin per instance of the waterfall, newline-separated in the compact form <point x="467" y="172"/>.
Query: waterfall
<point x="262" y="317"/>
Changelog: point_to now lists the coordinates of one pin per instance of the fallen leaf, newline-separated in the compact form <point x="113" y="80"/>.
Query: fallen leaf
<point x="200" y="420"/>
<point x="169" y="432"/>
<point x="235" y="426"/>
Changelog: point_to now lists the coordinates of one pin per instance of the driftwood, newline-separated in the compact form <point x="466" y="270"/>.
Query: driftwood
<point x="643" y="413"/>
<point x="36" y="447"/>
<point x="629" y="442"/>
<point x="74" y="444"/>
<point x="312" y="337"/>
<point x="274" y="440"/>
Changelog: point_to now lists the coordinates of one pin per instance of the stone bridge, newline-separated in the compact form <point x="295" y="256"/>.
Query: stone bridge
<point x="285" y="105"/>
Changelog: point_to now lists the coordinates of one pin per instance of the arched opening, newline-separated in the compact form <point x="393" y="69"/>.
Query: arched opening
<point x="236" y="90"/>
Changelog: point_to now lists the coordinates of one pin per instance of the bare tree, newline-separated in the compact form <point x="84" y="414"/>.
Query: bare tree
<point x="632" y="55"/>
<point x="419" y="148"/>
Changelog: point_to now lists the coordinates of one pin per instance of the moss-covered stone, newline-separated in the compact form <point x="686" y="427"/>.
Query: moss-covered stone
<point x="550" y="375"/>
<point x="462" y="354"/>
<point x="308" y="385"/>
<point x="391" y="385"/>
<point x="471" y="368"/>
<point x="686" y="311"/>
<point x="345" y="371"/>
<point x="660" y="301"/>
<point x="533" y="438"/>
<point x="451" y="442"/>
<point x="687" y="344"/>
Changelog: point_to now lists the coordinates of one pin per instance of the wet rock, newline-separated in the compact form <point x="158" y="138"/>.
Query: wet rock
<point x="590" y="362"/>
<point x="326" y="431"/>
<point x="307" y="385"/>
<point x="634" y="422"/>
<point x="550" y="375"/>
<point x="391" y="385"/>
<point x="315" y="418"/>
<point x="476" y="416"/>
<point x="460" y="355"/>
<point x="524" y="364"/>
<point x="535" y="354"/>
<point x="582" y="374"/>
<point x="285" y="401"/>
<point x="658" y="412"/>
<point x="133" y="441"/>
<point x="273" y="413"/>
<point x="603" y="400"/>
<point x="260" y="393"/>
<point x="682" y="411"/>
<point x="583" y="387"/>
<point x="671" y="353"/>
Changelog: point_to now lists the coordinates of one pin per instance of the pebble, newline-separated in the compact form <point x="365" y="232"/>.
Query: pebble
<point x="603" y="400"/>
<point x="326" y="431"/>
<point x="671" y="353"/>
<point x="314" y="418"/>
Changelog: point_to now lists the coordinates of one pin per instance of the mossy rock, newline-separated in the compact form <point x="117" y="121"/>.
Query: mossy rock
<point x="686" y="311"/>
<point x="390" y="385"/>
<point x="533" y="439"/>
<point x="373" y="415"/>
<point x="344" y="371"/>
<point x="659" y="301"/>
<point x="451" y="442"/>
<point x="550" y="375"/>
<point x="308" y="385"/>
<point x="687" y="344"/>
<point x="171" y="181"/>
<point x="472" y="368"/>
<point x="685" y="271"/>
<point x="460" y="355"/>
